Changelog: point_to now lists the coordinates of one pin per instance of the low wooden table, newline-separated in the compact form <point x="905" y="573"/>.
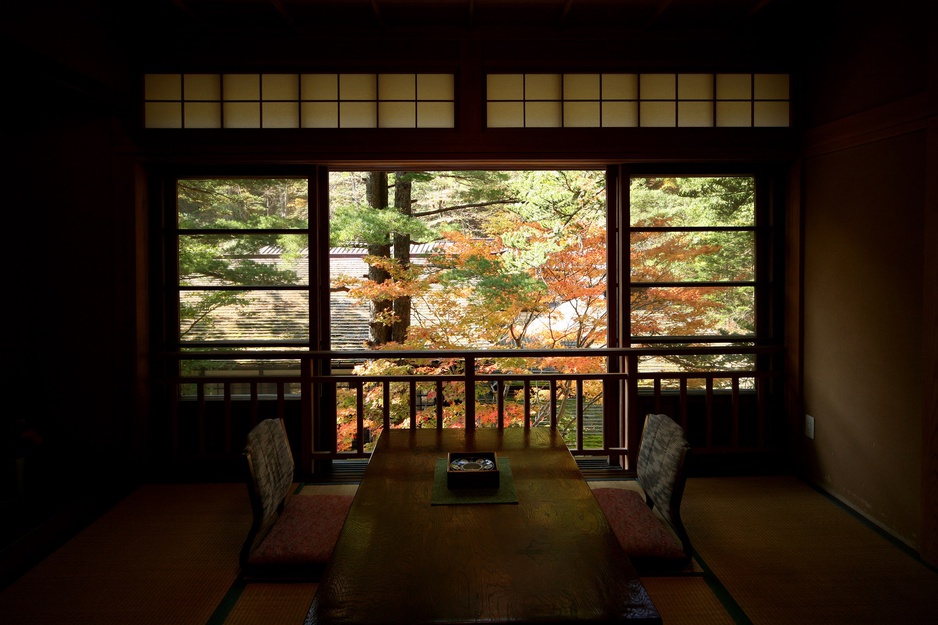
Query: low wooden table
<point x="550" y="557"/>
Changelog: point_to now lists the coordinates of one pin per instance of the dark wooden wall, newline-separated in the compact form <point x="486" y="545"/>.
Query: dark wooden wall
<point x="865" y="87"/>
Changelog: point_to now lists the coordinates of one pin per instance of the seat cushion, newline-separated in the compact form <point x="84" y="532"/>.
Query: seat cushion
<point x="305" y="533"/>
<point x="643" y="535"/>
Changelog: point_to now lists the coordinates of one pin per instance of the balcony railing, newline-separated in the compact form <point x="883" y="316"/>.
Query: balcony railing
<point x="725" y="410"/>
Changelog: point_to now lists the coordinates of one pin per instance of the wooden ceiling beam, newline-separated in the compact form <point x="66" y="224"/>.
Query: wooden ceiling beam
<point x="183" y="6"/>
<point x="285" y="14"/>
<point x="660" y="9"/>
<point x="757" y="6"/>
<point x="376" y="8"/>
<point x="565" y="11"/>
<point x="753" y="9"/>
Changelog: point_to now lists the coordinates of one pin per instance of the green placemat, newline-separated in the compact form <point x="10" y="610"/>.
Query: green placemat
<point x="505" y="493"/>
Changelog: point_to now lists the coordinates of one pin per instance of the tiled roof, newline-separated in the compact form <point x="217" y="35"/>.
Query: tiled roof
<point x="284" y="314"/>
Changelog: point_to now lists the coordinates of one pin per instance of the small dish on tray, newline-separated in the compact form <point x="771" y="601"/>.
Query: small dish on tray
<point x="472" y="464"/>
<point x="476" y="469"/>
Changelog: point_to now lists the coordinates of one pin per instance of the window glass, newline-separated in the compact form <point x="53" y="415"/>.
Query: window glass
<point x="692" y="256"/>
<point x="485" y="260"/>
<point x="268" y="315"/>
<point x="242" y="203"/>
<point x="482" y="260"/>
<point x="705" y="256"/>
<point x="243" y="260"/>
<point x="692" y="311"/>
<point x="686" y="202"/>
<point x="243" y="268"/>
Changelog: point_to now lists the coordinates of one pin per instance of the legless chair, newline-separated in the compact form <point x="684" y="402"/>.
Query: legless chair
<point x="650" y="527"/>
<point x="292" y="536"/>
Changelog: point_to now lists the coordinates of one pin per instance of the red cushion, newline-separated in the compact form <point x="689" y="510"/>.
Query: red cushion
<point x="305" y="532"/>
<point x="641" y="532"/>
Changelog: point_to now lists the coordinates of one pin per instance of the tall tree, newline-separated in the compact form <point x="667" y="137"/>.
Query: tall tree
<point x="529" y="270"/>
<point x="401" y="305"/>
<point x="381" y="308"/>
<point x="445" y="199"/>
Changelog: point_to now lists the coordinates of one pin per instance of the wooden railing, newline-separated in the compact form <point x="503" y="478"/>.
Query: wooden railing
<point x="723" y="411"/>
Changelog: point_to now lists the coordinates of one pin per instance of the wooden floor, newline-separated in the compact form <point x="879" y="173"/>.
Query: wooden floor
<point x="769" y="550"/>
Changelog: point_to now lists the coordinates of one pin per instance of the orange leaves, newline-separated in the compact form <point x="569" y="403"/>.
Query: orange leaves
<point x="567" y="364"/>
<point x="404" y="281"/>
<point x="671" y="310"/>
<point x="664" y="256"/>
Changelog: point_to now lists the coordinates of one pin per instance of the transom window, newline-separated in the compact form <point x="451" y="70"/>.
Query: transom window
<point x="425" y="100"/>
<point x="299" y="101"/>
<point x="637" y="100"/>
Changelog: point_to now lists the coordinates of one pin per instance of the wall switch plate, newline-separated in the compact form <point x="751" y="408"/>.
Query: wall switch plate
<point x="809" y="426"/>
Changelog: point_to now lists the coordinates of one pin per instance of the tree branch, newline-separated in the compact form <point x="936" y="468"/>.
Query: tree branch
<point x="446" y="209"/>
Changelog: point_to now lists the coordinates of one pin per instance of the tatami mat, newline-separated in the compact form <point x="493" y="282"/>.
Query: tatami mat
<point x="680" y="601"/>
<point x="772" y="549"/>
<point x="686" y="600"/>
<point x="788" y="554"/>
<point x="329" y="489"/>
<point x="165" y="554"/>
<point x="269" y="604"/>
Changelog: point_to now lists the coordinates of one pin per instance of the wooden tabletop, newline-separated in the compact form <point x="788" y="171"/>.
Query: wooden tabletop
<point x="551" y="557"/>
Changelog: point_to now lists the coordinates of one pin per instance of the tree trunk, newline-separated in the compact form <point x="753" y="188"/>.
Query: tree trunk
<point x="402" y="203"/>
<point x="376" y="191"/>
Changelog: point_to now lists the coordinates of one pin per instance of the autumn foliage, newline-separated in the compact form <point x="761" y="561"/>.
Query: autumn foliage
<point x="531" y="276"/>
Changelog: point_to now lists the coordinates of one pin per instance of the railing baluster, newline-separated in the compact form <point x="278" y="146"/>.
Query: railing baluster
<point x="281" y="400"/>
<point x="255" y="405"/>
<point x="195" y="429"/>
<point x="632" y="428"/>
<point x="527" y="404"/>
<point x="553" y="403"/>
<point x="761" y="411"/>
<point x="500" y="403"/>
<point x="227" y="417"/>
<point x="174" y="391"/>
<point x="200" y="416"/>
<point x="470" y="392"/>
<point x="386" y="399"/>
<point x="307" y="443"/>
<point x="683" y="393"/>
<point x="709" y="410"/>
<point x="735" y="411"/>
<point x="360" y="417"/>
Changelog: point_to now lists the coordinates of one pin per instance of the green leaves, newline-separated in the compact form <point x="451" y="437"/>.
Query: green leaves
<point x="242" y="203"/>
<point x="364" y="224"/>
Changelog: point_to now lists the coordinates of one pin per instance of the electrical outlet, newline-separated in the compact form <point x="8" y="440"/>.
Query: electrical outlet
<point x="809" y="426"/>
